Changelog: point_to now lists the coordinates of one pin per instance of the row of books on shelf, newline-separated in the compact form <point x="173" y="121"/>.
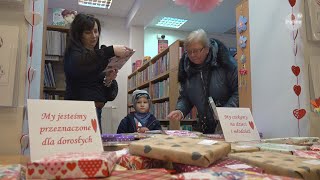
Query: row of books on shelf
<point x="160" y="89"/>
<point x="157" y="68"/>
<point x="53" y="96"/>
<point x="161" y="110"/>
<point x="49" y="80"/>
<point x="56" y="43"/>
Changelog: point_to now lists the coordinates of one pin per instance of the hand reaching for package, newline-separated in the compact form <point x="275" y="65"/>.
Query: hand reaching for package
<point x="111" y="74"/>
<point x="122" y="51"/>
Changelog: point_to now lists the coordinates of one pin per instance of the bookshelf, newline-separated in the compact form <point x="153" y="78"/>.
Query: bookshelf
<point x="53" y="78"/>
<point x="159" y="76"/>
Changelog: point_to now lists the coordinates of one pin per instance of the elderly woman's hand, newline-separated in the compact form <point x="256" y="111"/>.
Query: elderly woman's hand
<point x="175" y="115"/>
<point x="121" y="51"/>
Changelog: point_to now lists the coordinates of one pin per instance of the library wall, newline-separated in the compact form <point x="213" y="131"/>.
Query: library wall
<point x="151" y="41"/>
<point x="273" y="99"/>
<point x="11" y="117"/>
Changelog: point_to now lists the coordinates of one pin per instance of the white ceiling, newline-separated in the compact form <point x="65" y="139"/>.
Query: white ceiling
<point x="147" y="12"/>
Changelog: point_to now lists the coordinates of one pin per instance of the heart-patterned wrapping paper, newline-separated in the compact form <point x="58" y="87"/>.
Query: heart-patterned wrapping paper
<point x="281" y="164"/>
<point x="73" y="165"/>
<point x="184" y="150"/>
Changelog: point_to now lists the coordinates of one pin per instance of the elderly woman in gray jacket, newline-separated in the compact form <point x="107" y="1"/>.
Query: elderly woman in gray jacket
<point x="206" y="70"/>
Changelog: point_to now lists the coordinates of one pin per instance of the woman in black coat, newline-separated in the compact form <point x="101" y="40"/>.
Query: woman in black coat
<point x="87" y="78"/>
<point x="206" y="70"/>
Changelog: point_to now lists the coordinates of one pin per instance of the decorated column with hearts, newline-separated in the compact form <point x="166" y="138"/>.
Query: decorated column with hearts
<point x="294" y="22"/>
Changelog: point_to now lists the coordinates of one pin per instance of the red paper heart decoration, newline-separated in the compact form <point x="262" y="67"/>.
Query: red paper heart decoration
<point x="41" y="171"/>
<point x="94" y="124"/>
<point x="30" y="171"/>
<point x="299" y="113"/>
<point x="292" y="2"/>
<point x="71" y="166"/>
<point x="297" y="89"/>
<point x="295" y="70"/>
<point x="251" y="125"/>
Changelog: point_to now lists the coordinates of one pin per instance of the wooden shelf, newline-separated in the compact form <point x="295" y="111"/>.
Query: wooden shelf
<point x="131" y="90"/>
<point x="46" y="89"/>
<point x="132" y="74"/>
<point x="57" y="28"/>
<point x="158" y="100"/>
<point x="154" y="59"/>
<point x="143" y="85"/>
<point x="160" y="77"/>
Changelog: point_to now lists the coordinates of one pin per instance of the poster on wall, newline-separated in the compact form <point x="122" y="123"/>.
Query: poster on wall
<point x="62" y="126"/>
<point x="237" y="124"/>
<point x="162" y="45"/>
<point x="9" y="36"/>
<point x="63" y="17"/>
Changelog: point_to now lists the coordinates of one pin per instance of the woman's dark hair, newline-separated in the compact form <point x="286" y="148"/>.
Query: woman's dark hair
<point x="81" y="23"/>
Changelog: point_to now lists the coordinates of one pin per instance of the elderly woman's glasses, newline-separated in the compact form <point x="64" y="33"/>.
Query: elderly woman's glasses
<point x="194" y="51"/>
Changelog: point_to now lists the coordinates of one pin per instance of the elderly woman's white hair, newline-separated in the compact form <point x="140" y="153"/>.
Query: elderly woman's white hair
<point x="197" y="36"/>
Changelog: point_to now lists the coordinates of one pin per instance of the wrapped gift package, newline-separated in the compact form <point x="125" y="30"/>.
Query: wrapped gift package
<point x="315" y="147"/>
<point x="184" y="150"/>
<point x="224" y="173"/>
<point x="213" y="136"/>
<point x="224" y="163"/>
<point x="301" y="141"/>
<point x="237" y="147"/>
<point x="116" y="137"/>
<point x="12" y="172"/>
<point x="281" y="164"/>
<point x="73" y="165"/>
<point x="307" y="154"/>
<point x="284" y="148"/>
<point x="132" y="162"/>
<point x="182" y="133"/>
<point x="154" y="174"/>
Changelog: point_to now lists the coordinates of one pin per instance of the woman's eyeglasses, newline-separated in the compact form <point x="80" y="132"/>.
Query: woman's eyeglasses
<point x="194" y="51"/>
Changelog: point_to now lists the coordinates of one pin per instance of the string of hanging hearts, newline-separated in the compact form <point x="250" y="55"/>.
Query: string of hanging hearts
<point x="294" y="22"/>
<point x="33" y="19"/>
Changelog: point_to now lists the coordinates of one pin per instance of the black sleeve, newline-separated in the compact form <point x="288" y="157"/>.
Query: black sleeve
<point x="112" y="91"/>
<point x="123" y="126"/>
<point x="183" y="103"/>
<point x="81" y="63"/>
<point x="232" y="76"/>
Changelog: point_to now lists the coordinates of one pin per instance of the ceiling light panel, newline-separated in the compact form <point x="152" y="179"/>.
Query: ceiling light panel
<point x="171" y="22"/>
<point x="96" y="3"/>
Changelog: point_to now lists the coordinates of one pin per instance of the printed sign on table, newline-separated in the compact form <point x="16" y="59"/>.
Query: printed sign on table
<point x="237" y="124"/>
<point x="62" y="126"/>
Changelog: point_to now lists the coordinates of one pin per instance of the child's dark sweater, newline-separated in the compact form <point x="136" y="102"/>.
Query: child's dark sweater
<point x="128" y="124"/>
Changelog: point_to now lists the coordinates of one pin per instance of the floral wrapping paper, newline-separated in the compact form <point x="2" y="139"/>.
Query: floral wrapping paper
<point x="315" y="147"/>
<point x="300" y="141"/>
<point x="283" y="148"/>
<point x="12" y="172"/>
<point x="307" y="154"/>
<point x="228" y="174"/>
<point x="184" y="150"/>
<point x="281" y="164"/>
<point x="132" y="162"/>
<point x="224" y="163"/>
<point x="73" y="165"/>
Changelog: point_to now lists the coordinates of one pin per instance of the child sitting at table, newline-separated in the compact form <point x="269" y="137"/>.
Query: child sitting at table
<point x="141" y="120"/>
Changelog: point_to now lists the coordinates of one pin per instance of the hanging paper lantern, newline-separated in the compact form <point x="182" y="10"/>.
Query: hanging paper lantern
<point x="293" y="21"/>
<point x="199" y="5"/>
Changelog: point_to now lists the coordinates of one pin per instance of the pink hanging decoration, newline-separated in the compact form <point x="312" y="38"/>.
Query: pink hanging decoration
<point x="199" y="5"/>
